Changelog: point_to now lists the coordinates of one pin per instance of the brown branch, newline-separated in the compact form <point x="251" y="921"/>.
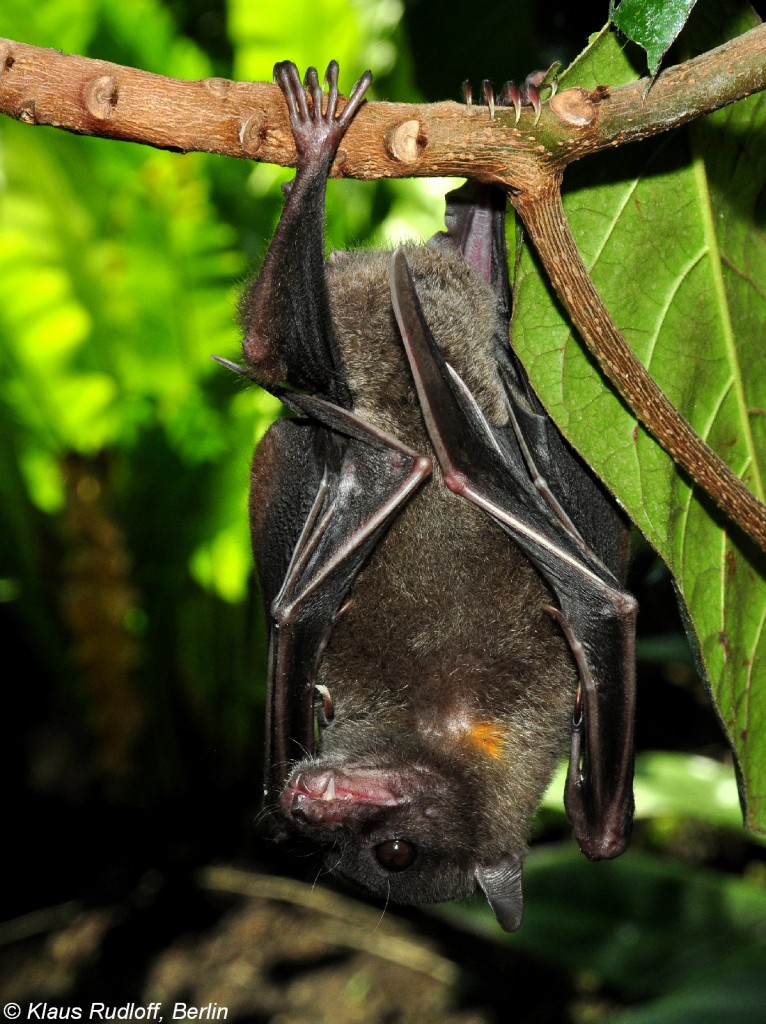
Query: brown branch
<point x="249" y="120"/>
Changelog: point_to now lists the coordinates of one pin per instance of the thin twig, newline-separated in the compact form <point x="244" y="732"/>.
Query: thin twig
<point x="359" y="927"/>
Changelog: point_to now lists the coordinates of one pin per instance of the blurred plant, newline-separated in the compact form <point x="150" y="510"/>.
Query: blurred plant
<point x="120" y="269"/>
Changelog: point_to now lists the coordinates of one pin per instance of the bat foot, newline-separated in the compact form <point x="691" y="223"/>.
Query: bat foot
<point x="317" y="126"/>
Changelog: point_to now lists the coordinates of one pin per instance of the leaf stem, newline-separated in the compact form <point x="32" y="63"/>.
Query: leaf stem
<point x="544" y="219"/>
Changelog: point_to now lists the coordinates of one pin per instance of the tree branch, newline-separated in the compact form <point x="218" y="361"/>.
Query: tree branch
<point x="249" y="120"/>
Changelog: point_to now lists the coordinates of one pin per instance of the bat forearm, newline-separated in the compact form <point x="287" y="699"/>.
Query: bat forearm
<point x="289" y="296"/>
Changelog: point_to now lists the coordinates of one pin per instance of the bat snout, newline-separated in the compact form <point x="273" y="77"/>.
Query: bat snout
<point x="337" y="799"/>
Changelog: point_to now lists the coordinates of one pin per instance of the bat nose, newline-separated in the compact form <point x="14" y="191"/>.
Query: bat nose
<point x="337" y="799"/>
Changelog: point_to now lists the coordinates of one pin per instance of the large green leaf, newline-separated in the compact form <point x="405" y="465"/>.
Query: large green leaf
<point x="670" y="232"/>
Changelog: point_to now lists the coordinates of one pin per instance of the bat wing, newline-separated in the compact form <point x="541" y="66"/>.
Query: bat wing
<point x="475" y="220"/>
<point x="496" y="468"/>
<point x="361" y="478"/>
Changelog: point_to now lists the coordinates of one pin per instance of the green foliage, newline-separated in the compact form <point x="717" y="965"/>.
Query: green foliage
<point x="652" y="24"/>
<point x="675" y="939"/>
<point x="655" y="932"/>
<point x="670" y="234"/>
<point x="120" y="270"/>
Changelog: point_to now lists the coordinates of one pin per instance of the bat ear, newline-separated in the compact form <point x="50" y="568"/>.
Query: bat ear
<point x="501" y="884"/>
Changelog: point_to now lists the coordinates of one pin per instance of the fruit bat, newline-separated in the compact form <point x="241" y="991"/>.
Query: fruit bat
<point x="440" y="570"/>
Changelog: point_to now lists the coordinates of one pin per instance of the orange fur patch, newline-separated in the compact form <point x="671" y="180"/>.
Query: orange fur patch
<point x="487" y="737"/>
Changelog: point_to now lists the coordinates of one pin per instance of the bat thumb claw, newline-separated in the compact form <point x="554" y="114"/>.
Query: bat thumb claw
<point x="241" y="371"/>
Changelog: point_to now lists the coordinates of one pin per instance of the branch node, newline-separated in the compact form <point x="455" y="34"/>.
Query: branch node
<point x="218" y="86"/>
<point x="250" y="134"/>
<point x="404" y="141"/>
<point x="6" y="55"/>
<point x="574" y="106"/>
<point x="100" y="96"/>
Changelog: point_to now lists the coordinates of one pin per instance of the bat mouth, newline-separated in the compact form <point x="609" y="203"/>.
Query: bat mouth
<point x="338" y="798"/>
<point x="368" y="787"/>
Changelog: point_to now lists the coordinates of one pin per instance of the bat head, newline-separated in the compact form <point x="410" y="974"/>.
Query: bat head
<point x="409" y="835"/>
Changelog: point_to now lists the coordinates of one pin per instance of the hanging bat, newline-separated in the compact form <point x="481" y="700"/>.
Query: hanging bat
<point x="441" y="571"/>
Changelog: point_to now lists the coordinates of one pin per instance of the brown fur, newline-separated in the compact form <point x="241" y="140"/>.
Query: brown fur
<point x="445" y="624"/>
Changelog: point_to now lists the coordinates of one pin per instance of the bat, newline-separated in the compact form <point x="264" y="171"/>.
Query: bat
<point x="441" y="572"/>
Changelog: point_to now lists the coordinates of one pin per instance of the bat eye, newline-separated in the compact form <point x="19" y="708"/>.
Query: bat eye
<point x="396" y="854"/>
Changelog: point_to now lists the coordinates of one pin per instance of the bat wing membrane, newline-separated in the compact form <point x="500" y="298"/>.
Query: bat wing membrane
<point x="365" y="478"/>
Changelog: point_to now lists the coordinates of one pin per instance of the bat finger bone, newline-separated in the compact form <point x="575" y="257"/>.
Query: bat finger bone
<point x="457" y="481"/>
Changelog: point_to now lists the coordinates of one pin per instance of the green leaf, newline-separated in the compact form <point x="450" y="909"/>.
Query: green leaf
<point x="734" y="989"/>
<point x="640" y="923"/>
<point x="653" y="24"/>
<point x="670" y="232"/>
<point x="686" y="786"/>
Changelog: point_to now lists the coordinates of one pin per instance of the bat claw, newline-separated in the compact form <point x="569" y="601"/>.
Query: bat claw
<point x="467" y="90"/>
<point x="531" y="94"/>
<point x="528" y="94"/>
<point x="511" y="96"/>
<point x="554" y="612"/>
<point x="241" y="371"/>
<point x="311" y="78"/>
<point x="328" y="708"/>
<point x="331" y="74"/>
<point x="489" y="96"/>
